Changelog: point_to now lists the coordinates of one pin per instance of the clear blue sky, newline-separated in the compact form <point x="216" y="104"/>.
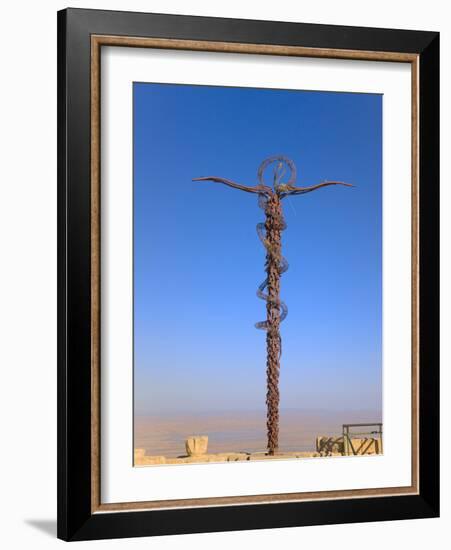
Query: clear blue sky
<point x="198" y="260"/>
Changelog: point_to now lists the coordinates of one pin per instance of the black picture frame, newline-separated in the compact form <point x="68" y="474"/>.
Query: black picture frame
<point x="76" y="520"/>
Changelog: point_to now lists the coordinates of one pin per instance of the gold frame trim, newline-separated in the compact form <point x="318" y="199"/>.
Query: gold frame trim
<point x="97" y="41"/>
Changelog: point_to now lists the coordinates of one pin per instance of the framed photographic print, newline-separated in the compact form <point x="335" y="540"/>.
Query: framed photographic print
<point x="248" y="274"/>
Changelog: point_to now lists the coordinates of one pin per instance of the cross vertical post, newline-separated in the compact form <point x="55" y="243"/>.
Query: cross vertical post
<point x="273" y="227"/>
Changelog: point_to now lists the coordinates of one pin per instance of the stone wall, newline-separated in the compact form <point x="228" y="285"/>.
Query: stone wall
<point x="197" y="446"/>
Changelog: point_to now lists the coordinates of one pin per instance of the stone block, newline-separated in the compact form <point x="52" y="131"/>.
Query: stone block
<point x="196" y="445"/>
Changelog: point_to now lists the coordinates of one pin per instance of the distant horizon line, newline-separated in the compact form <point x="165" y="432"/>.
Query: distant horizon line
<point x="259" y="410"/>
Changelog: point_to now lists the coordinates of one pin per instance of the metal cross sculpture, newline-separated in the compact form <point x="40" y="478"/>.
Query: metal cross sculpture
<point x="269" y="232"/>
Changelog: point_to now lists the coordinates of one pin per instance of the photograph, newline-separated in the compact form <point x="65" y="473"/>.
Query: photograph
<point x="257" y="274"/>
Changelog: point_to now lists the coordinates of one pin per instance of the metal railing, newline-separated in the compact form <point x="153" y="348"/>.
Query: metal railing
<point x="348" y="434"/>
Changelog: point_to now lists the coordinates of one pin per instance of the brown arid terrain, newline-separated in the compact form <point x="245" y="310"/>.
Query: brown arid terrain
<point x="242" y="436"/>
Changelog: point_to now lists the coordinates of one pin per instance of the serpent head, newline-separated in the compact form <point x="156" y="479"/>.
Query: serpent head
<point x="281" y="165"/>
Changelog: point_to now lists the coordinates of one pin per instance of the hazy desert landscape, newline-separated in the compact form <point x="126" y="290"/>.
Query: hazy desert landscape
<point x="242" y="431"/>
